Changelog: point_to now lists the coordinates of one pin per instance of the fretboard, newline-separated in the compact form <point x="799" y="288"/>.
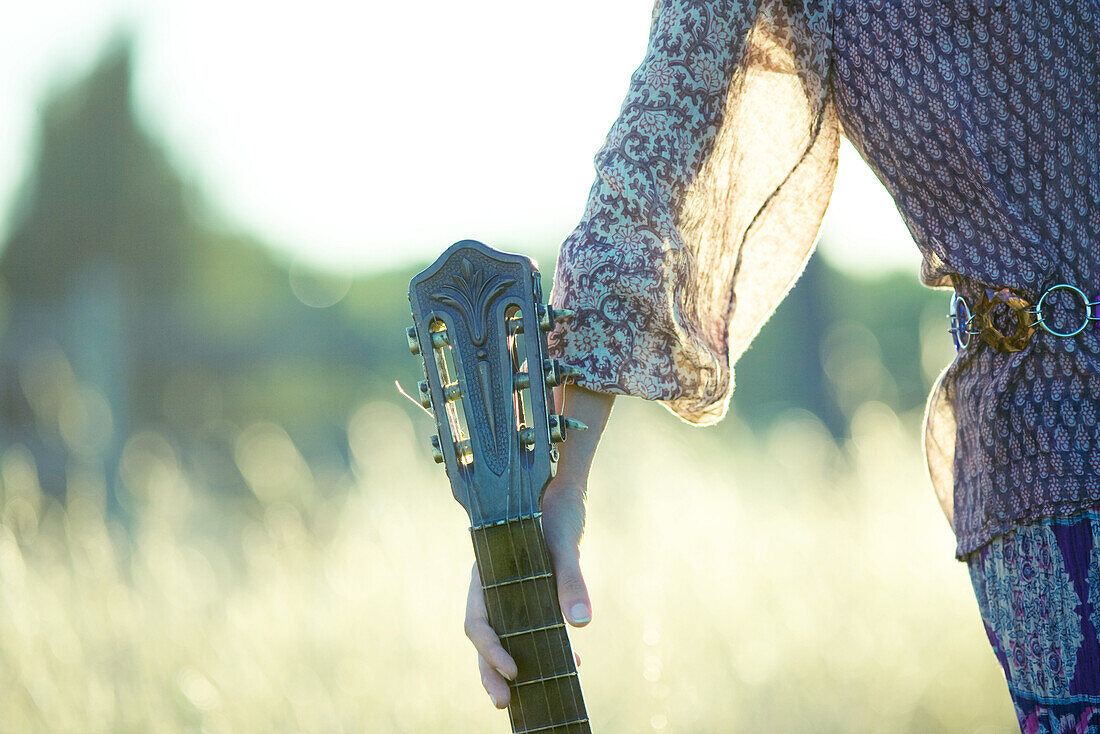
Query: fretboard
<point x="521" y="597"/>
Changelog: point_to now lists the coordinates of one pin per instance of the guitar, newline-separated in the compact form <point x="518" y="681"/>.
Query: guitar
<point x="479" y="326"/>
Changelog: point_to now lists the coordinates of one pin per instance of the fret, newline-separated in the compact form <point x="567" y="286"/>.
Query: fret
<point x="546" y="703"/>
<point x="525" y="606"/>
<point x="546" y="729"/>
<point x="517" y="633"/>
<point x="520" y="579"/>
<point x="511" y="550"/>
<point x="518" y="683"/>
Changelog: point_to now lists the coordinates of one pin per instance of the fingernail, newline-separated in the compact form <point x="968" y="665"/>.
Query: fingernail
<point x="494" y="700"/>
<point x="579" y="614"/>
<point x="506" y="676"/>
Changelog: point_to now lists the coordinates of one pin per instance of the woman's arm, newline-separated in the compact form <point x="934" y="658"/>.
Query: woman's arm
<point x="563" y="516"/>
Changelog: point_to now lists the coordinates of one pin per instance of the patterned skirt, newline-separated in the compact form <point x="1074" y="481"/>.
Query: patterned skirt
<point x="1038" y="589"/>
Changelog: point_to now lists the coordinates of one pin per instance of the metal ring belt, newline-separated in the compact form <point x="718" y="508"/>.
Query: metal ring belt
<point x="967" y="322"/>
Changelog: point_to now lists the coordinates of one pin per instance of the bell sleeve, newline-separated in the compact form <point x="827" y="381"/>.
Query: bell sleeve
<point x="710" y="191"/>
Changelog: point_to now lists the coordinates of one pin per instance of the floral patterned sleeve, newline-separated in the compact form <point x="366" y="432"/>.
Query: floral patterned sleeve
<point x="710" y="190"/>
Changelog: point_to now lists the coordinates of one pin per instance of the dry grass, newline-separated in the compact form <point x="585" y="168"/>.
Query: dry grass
<point x="767" y="585"/>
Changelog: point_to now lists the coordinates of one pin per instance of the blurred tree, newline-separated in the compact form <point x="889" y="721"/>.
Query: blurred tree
<point x="126" y="309"/>
<point x="102" y="194"/>
<point x="100" y="234"/>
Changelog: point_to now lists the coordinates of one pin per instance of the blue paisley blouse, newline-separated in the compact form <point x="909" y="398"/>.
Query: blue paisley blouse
<point x="979" y="116"/>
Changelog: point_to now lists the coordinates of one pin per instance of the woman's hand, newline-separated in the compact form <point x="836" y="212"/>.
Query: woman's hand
<point x="563" y="515"/>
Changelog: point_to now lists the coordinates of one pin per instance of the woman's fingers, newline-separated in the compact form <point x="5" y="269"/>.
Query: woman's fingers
<point x="563" y="524"/>
<point x="494" y="684"/>
<point x="486" y="641"/>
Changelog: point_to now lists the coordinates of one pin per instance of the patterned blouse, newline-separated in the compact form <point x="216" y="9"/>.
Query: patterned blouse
<point x="979" y="116"/>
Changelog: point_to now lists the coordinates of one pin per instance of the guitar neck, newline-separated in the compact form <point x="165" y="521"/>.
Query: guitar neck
<point x="521" y="597"/>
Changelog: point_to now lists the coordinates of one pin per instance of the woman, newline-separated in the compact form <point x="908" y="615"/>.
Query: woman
<point x="981" y="119"/>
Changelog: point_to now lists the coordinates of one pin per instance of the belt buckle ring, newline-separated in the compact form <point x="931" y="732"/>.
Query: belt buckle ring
<point x="961" y="333"/>
<point x="1090" y="310"/>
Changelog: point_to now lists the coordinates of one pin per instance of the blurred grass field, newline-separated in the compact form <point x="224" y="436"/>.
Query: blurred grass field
<point x="776" y="583"/>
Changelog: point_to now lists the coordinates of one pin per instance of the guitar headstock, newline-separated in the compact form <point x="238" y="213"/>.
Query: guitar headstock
<point x="479" y="326"/>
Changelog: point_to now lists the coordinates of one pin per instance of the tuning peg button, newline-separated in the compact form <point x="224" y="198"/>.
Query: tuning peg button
<point x="425" y="394"/>
<point x="562" y="313"/>
<point x="557" y="373"/>
<point x="571" y="372"/>
<point x="549" y="316"/>
<point x="437" y="450"/>
<point x="560" y="427"/>
<point x="414" y="341"/>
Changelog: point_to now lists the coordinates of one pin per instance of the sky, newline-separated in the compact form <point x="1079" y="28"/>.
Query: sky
<point x="352" y="136"/>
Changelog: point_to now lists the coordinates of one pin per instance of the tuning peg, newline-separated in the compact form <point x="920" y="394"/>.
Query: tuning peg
<point x="521" y="381"/>
<point x="425" y="394"/>
<point x="548" y="316"/>
<point x="557" y="373"/>
<point x="439" y="339"/>
<point x="437" y="450"/>
<point x="560" y="427"/>
<point x="527" y="437"/>
<point x="452" y="392"/>
<point x="573" y="372"/>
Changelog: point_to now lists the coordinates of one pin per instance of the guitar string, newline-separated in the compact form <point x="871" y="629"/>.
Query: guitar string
<point x="543" y="558"/>
<point x="562" y="639"/>
<point x="540" y="536"/>
<point x="543" y="551"/>
<point x="527" y="609"/>
<point x="518" y="712"/>
<point x="517" y="704"/>
<point x="487" y="553"/>
<point x="566" y="650"/>
<point x="519" y="485"/>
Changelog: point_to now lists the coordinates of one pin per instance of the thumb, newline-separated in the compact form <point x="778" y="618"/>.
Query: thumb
<point x="572" y="592"/>
<point x="563" y="524"/>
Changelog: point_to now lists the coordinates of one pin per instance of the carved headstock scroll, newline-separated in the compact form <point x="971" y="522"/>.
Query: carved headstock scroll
<point x="480" y="326"/>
